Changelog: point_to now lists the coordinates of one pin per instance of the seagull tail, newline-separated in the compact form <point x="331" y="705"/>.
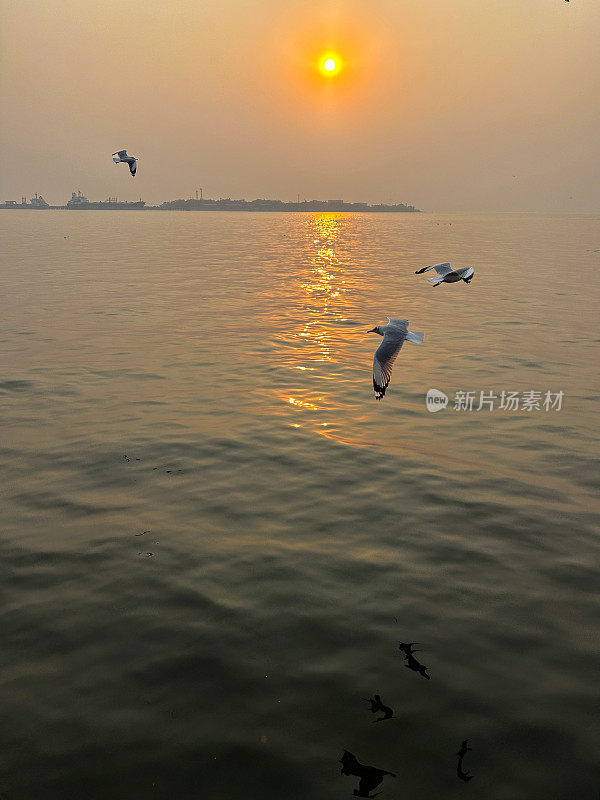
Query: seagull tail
<point x="415" y="338"/>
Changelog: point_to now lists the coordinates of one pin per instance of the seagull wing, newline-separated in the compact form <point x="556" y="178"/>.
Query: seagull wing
<point x="441" y="269"/>
<point x="132" y="165"/>
<point x="384" y="358"/>
<point x="398" y="323"/>
<point x="121" y="153"/>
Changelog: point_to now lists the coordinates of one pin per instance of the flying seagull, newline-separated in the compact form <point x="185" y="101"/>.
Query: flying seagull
<point x="445" y="274"/>
<point x="127" y="159"/>
<point x="394" y="335"/>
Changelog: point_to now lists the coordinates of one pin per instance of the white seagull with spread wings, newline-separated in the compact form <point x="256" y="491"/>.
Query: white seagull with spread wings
<point x="131" y="160"/>
<point x="445" y="274"/>
<point x="394" y="335"/>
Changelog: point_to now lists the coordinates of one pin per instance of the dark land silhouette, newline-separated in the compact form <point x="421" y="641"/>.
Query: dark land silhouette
<point x="80" y="202"/>
<point x="227" y="204"/>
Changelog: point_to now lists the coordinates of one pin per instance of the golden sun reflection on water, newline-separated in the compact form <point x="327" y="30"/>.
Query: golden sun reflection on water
<point x="323" y="293"/>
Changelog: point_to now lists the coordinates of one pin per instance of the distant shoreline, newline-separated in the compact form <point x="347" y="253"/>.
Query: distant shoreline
<point x="226" y="204"/>
<point x="370" y="210"/>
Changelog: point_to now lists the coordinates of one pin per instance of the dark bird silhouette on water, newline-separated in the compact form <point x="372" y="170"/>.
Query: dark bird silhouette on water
<point x="411" y="661"/>
<point x="464" y="775"/>
<point x="370" y="777"/>
<point x="407" y="648"/>
<point x="377" y="706"/>
<point x="416" y="666"/>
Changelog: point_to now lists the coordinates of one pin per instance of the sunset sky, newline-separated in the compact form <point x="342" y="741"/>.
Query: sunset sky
<point x="453" y="105"/>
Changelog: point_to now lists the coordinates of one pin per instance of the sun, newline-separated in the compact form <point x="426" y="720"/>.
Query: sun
<point x="330" y="64"/>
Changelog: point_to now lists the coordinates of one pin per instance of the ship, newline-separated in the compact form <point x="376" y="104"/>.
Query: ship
<point x="80" y="201"/>
<point x="37" y="201"/>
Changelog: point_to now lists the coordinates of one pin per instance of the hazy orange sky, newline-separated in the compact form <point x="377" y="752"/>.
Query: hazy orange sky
<point x="453" y="105"/>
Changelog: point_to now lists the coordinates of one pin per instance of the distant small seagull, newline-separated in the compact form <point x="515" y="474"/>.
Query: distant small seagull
<point x="127" y="159"/>
<point x="447" y="275"/>
<point x="394" y="336"/>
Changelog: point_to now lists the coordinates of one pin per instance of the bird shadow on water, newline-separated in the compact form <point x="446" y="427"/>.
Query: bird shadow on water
<point x="377" y="706"/>
<point x="370" y="777"/>
<point x="464" y="775"/>
<point x="411" y="662"/>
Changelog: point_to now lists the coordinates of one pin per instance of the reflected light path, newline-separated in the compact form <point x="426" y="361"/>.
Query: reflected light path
<point x="318" y="344"/>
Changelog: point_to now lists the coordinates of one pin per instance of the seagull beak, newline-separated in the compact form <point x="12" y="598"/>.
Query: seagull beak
<point x="372" y="331"/>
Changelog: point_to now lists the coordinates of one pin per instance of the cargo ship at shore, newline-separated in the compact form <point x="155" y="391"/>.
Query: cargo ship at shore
<point x="80" y="201"/>
<point x="37" y="201"/>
